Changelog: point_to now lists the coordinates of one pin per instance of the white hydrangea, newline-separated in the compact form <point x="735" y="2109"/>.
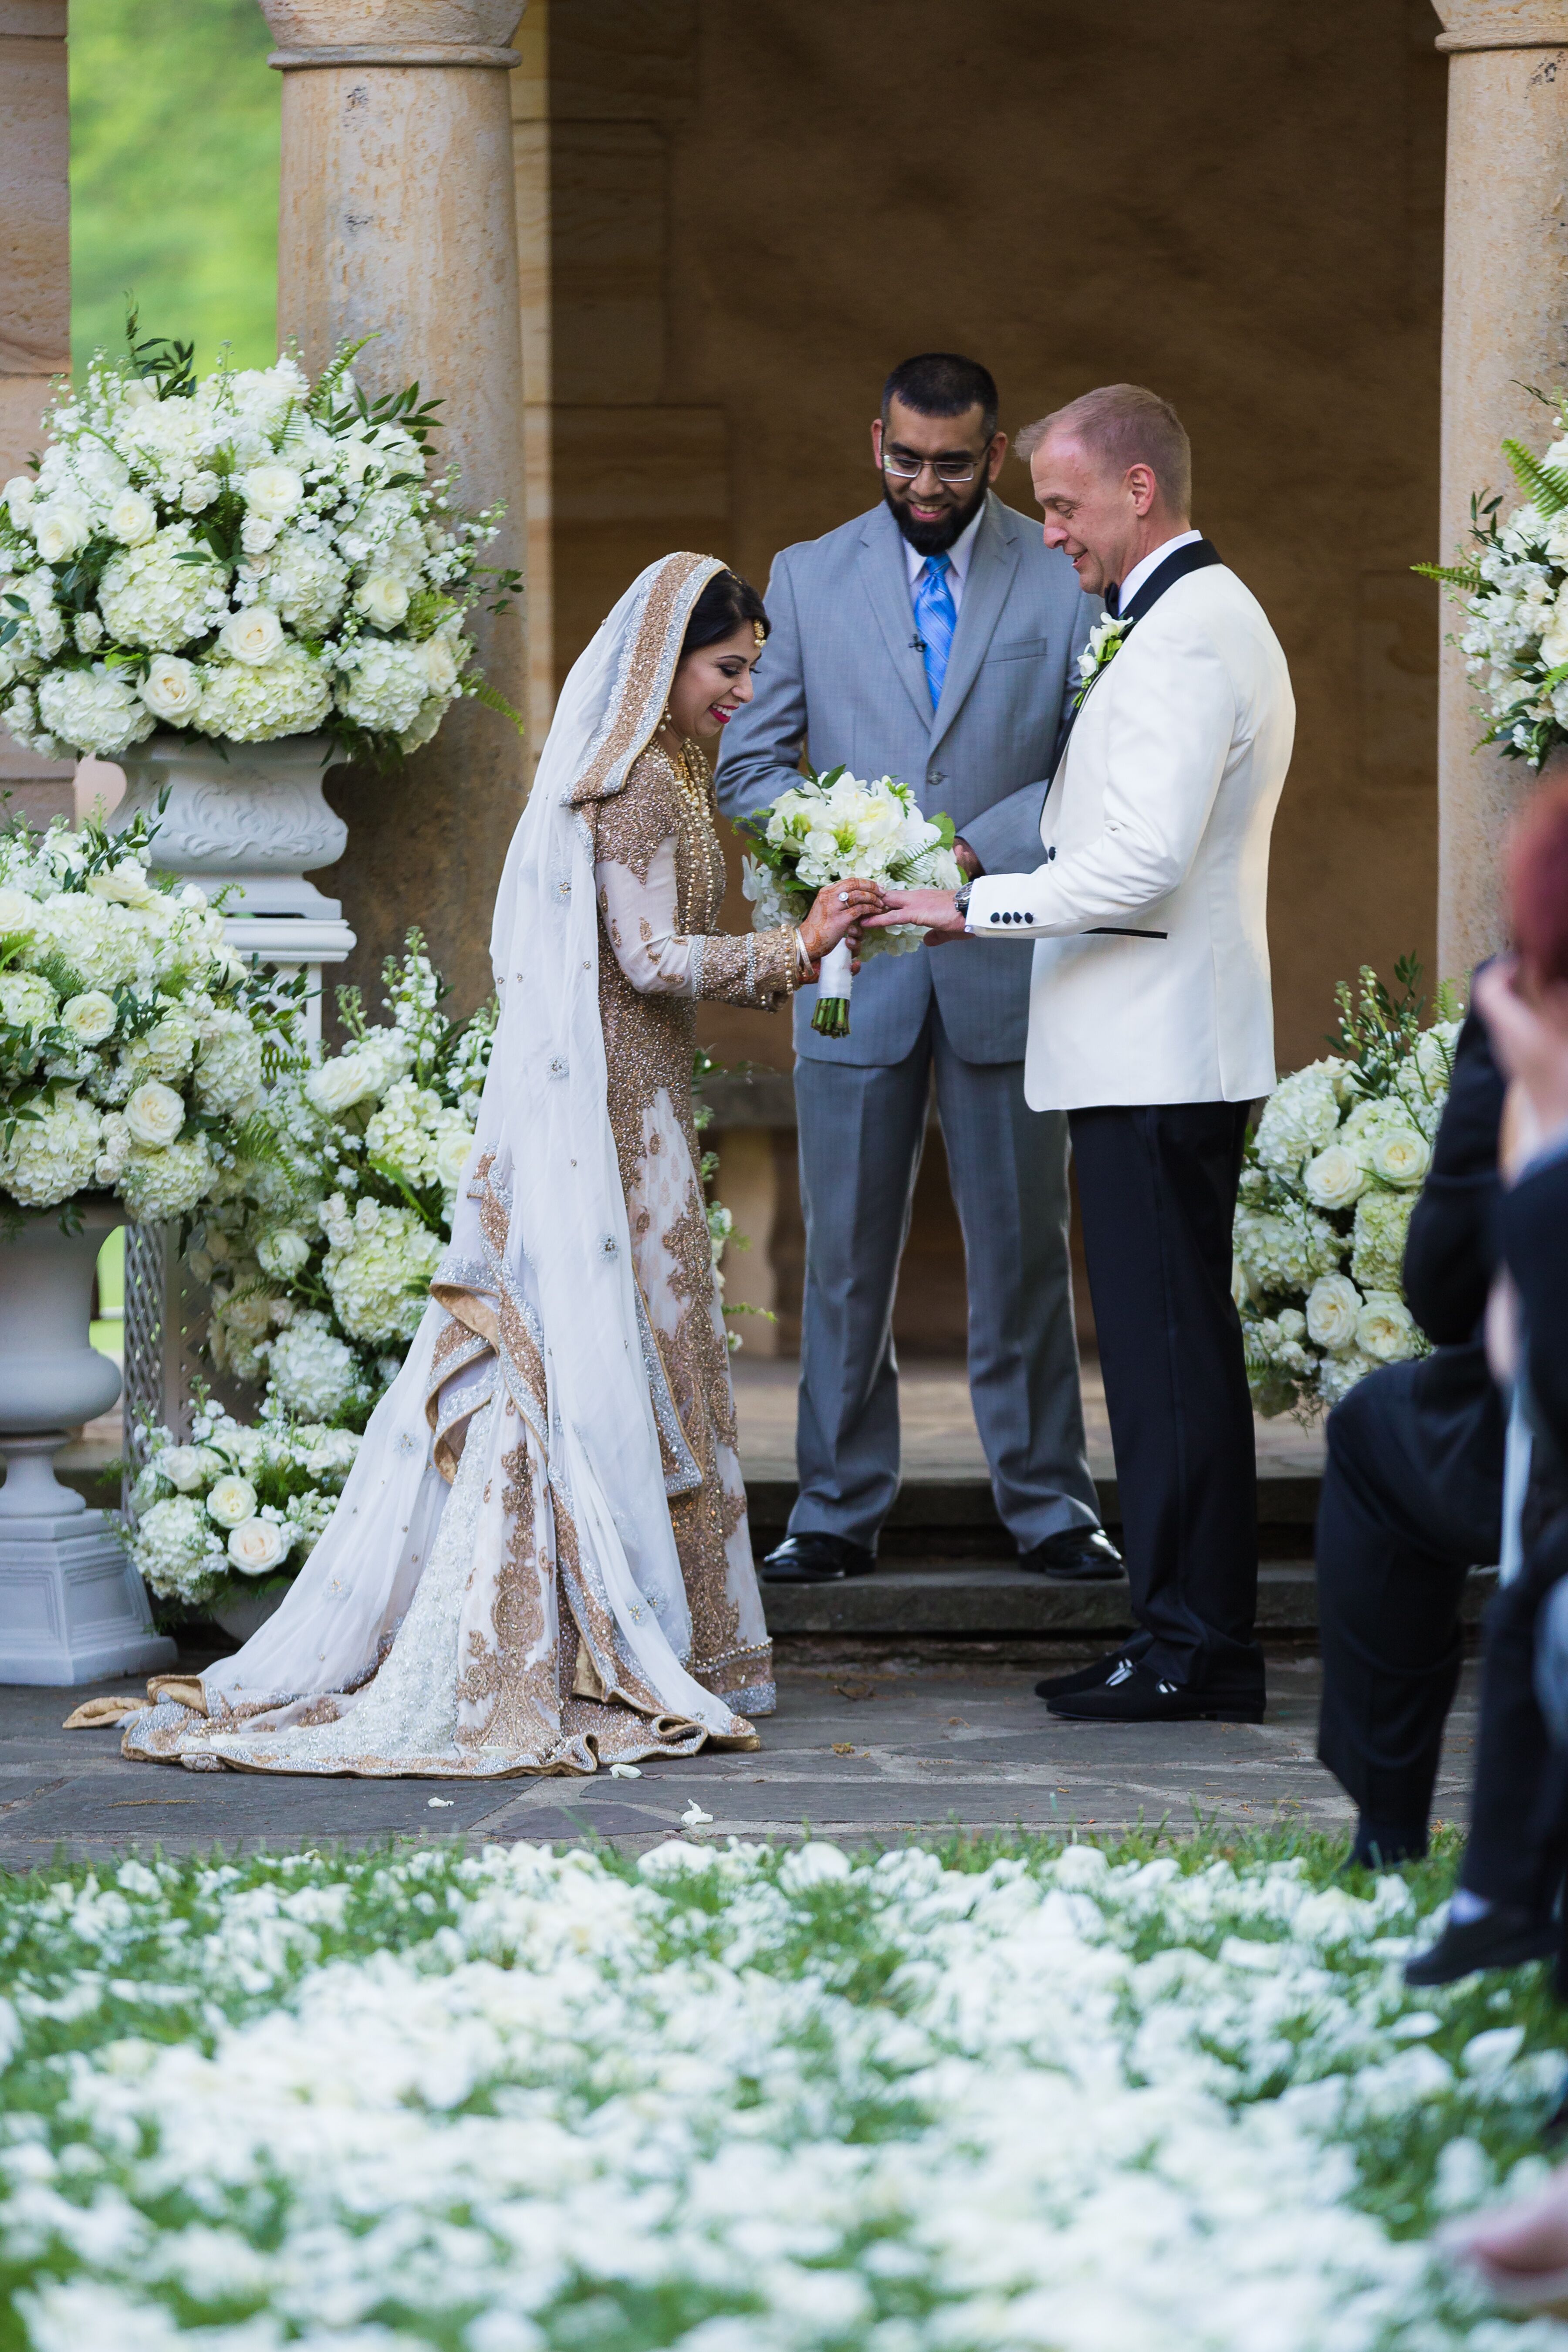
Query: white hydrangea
<point x="228" y="1078"/>
<point x="150" y="597"/>
<point x="311" y="1372"/>
<point x="381" y="685"/>
<point x="379" y="1271"/>
<point x="250" y="703"/>
<point x="53" y="1155"/>
<point x="1377" y="1253"/>
<point x="97" y="710"/>
<point x="400" y="1137"/>
<point x="1339" y="1374"/>
<point x="1286" y="1247"/>
<point x="305" y="582"/>
<point x="1299" y="1118"/>
<point x="178" y="1551"/>
<point x="159" y="1185"/>
<point x="26" y="1000"/>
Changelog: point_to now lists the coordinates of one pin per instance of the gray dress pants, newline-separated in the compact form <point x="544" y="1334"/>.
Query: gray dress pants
<point x="861" y="1134"/>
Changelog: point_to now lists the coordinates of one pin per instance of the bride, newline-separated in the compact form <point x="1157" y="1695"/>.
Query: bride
<point x="540" y="1561"/>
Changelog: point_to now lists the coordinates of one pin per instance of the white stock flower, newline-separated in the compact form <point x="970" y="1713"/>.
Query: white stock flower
<point x="272" y="492"/>
<point x="347" y="1080"/>
<point x="231" y="1500"/>
<point x="1386" y="1329"/>
<point x="89" y="1017"/>
<point x="154" y="1115"/>
<point x="256" y="1546"/>
<point x="383" y="599"/>
<point x="18" y="494"/>
<point x="113" y="1150"/>
<point x="1334" y="1178"/>
<point x="172" y="689"/>
<point x="61" y="529"/>
<point x="132" y="519"/>
<point x="96" y="709"/>
<point x="254" y="635"/>
<point x="1332" y="1305"/>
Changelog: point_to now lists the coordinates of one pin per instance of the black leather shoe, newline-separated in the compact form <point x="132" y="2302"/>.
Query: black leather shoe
<point x="1506" y="1938"/>
<point x="1385" y="1845"/>
<point x="1093" y="1677"/>
<point x="1136" y="1693"/>
<point x="1078" y="1555"/>
<point x="817" y="1559"/>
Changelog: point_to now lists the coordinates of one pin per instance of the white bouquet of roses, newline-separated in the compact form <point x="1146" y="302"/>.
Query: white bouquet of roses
<point x="833" y="828"/>
<point x="1515" y="597"/>
<point x="234" y="1508"/>
<point x="133" y="1041"/>
<point x="1331" y="1174"/>
<point x="246" y="556"/>
<point x="320" y="1247"/>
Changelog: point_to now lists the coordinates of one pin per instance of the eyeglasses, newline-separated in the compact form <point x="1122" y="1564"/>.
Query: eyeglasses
<point x="954" y="471"/>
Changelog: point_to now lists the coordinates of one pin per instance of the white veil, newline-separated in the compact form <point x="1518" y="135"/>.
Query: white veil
<point x="561" y="1270"/>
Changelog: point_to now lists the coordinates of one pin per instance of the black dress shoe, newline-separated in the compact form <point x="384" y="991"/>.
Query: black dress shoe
<point x="1505" y="1938"/>
<point x="1136" y="1693"/>
<point x="817" y="1559"/>
<point x="1077" y="1555"/>
<point x="1093" y="1677"/>
<point x="1385" y="1845"/>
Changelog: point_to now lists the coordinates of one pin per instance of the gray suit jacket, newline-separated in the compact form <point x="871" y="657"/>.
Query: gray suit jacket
<point x="843" y="676"/>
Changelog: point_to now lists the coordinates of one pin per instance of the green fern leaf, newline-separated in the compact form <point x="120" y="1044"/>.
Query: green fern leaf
<point x="1464" y="577"/>
<point x="486" y="693"/>
<point x="1547" y="485"/>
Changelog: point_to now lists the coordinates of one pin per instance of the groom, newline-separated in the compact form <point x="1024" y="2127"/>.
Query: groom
<point x="1150" y="1025"/>
<point x="932" y="639"/>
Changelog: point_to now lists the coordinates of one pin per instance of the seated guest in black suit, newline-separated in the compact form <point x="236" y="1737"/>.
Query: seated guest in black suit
<point x="1412" y="1492"/>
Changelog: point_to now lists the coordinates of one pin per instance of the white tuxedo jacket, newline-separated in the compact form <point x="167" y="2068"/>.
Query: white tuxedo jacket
<point x="1149" y="910"/>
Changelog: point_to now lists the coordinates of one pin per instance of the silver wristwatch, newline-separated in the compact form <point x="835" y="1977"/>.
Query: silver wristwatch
<point x="961" y="899"/>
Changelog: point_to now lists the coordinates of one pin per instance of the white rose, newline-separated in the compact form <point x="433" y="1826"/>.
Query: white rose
<point x="339" y="1085"/>
<point x="1386" y="1329"/>
<point x="258" y="535"/>
<point x="1554" y="636"/>
<point x="256" y="1546"/>
<point x="282" y="1252"/>
<point x="199" y="492"/>
<point x="125" y="884"/>
<point x="18" y="494"/>
<point x="89" y="1017"/>
<point x="154" y="1115"/>
<point x="254" y="635"/>
<point x="186" y="1467"/>
<point x="61" y="529"/>
<point x="1401" y="1157"/>
<point x="271" y="491"/>
<point x="18" y="912"/>
<point x="232" y="1500"/>
<point x="383" y="599"/>
<point x="171" y="689"/>
<point x="1333" y="1304"/>
<point x="451" y="1156"/>
<point x="132" y="519"/>
<point x="1334" y="1178"/>
<point x="439" y="664"/>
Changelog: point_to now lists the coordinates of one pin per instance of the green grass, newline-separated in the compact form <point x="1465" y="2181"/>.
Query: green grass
<point x="173" y="174"/>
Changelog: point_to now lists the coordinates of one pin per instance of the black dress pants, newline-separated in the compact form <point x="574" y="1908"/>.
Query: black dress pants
<point x="1412" y="1499"/>
<point x="1157" y="1197"/>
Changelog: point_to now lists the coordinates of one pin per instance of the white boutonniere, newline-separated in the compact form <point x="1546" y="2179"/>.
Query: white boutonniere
<point x="1104" y="644"/>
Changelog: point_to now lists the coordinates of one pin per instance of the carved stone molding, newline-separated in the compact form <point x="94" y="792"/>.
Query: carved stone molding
<point x="393" y="32"/>
<point x="256" y="821"/>
<point x="1502" y="25"/>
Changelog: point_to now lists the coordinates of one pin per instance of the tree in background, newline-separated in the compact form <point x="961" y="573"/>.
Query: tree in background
<point x="174" y="173"/>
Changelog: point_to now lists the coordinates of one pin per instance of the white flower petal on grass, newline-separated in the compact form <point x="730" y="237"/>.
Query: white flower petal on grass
<point x="694" y="1818"/>
<point x="625" y="1772"/>
<point x="440" y="1800"/>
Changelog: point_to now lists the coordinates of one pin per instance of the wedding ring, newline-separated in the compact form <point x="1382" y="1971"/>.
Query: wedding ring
<point x="844" y="897"/>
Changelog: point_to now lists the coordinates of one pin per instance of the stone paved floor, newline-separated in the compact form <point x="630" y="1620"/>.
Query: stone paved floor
<point x="863" y="1746"/>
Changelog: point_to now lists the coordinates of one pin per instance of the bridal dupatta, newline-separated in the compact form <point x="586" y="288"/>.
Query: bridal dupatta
<point x="499" y="1590"/>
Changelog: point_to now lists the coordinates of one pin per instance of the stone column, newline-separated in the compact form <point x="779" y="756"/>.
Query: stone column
<point x="34" y="290"/>
<point x="397" y="215"/>
<point x="1505" y="323"/>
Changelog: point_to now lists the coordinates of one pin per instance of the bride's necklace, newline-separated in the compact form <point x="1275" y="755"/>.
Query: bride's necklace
<point x="691" y="774"/>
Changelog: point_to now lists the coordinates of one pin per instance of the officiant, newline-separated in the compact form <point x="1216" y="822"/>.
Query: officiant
<point x="932" y="639"/>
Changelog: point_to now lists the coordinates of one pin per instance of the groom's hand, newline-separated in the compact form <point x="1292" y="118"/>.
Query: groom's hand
<point x="932" y="910"/>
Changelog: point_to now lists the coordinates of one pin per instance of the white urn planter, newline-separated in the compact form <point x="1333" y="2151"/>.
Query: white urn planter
<point x="248" y="1612"/>
<point x="73" y="1607"/>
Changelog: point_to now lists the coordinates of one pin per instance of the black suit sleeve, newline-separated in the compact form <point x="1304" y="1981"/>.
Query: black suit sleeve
<point x="1533" y="1226"/>
<point x="1451" y="1250"/>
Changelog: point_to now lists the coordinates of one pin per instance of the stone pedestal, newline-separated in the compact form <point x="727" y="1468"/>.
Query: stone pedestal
<point x="1505" y="325"/>
<point x="397" y="219"/>
<point x="72" y="1607"/>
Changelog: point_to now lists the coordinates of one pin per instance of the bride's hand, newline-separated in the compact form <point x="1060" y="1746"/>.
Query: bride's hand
<point x="839" y="909"/>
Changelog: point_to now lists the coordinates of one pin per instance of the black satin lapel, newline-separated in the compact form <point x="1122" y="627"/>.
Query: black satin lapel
<point x="1197" y="556"/>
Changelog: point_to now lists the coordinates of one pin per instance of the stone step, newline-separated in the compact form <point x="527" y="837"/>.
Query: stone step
<point x="992" y="1598"/>
<point x="956" y="1518"/>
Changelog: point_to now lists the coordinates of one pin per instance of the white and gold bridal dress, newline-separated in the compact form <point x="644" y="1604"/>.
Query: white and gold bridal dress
<point x="541" y="1562"/>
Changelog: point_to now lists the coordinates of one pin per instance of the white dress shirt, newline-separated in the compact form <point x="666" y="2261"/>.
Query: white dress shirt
<point x="1127" y="589"/>
<point x="958" y="558"/>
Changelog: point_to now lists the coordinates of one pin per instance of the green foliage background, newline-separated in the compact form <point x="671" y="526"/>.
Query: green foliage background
<point x="173" y="174"/>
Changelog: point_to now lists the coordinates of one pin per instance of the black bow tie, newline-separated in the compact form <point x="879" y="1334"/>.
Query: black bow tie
<point x="1113" y="600"/>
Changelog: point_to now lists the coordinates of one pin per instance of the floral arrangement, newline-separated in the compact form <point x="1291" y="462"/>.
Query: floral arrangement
<point x="736" y="2097"/>
<point x="1105" y="642"/>
<point x="827" y="829"/>
<point x="247" y="555"/>
<point x="134" y="1045"/>
<point x="235" y="1509"/>
<point x="321" y="1250"/>
<point x="1331" y="1175"/>
<point x="1513" y="593"/>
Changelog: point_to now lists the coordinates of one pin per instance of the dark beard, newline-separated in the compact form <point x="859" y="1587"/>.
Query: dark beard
<point x="936" y="538"/>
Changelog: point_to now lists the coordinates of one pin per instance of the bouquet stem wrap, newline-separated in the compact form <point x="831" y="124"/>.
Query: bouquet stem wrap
<point x="831" y="1018"/>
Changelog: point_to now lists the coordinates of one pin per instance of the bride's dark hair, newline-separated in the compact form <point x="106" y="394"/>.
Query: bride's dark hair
<point x="726" y="604"/>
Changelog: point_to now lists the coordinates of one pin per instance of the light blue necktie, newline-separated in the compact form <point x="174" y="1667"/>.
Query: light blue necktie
<point x="936" y="618"/>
